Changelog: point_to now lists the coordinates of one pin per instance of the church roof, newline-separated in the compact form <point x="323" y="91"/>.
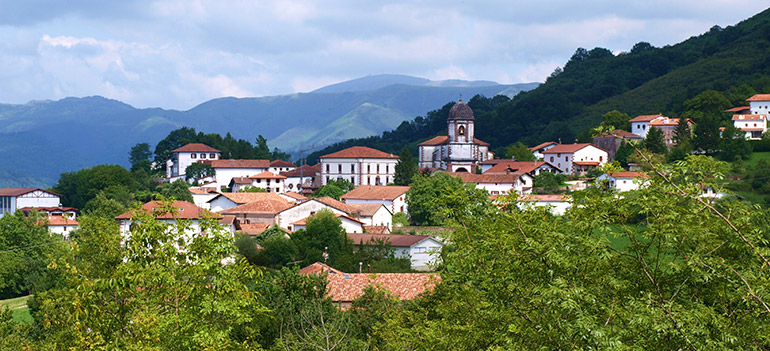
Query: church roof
<point x="460" y="111"/>
<point x="443" y="139"/>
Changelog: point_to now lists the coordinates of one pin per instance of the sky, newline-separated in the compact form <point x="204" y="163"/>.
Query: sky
<point x="176" y="54"/>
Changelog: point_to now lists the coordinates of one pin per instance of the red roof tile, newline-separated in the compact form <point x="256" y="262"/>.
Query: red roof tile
<point x="281" y="163"/>
<point x="295" y="195"/>
<point x="367" y="209"/>
<point x="58" y="220"/>
<point x="196" y="147"/>
<point x="267" y="175"/>
<point x="360" y="152"/>
<point x="319" y="267"/>
<point x="516" y="166"/>
<point x="304" y="171"/>
<point x="759" y="97"/>
<point x="265" y="164"/>
<point x="665" y="122"/>
<point x="568" y="148"/>
<point x="623" y="134"/>
<point x="509" y="178"/>
<point x="180" y="210"/>
<point x="254" y="228"/>
<point x="346" y="287"/>
<point x="332" y="202"/>
<point x="259" y="203"/>
<point x="749" y="117"/>
<point x="738" y="109"/>
<point x="22" y="191"/>
<point x="376" y="192"/>
<point x="629" y="175"/>
<point x="538" y="147"/>
<point x="644" y="118"/>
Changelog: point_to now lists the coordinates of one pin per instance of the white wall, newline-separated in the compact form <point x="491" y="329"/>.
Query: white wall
<point x="557" y="208"/>
<point x="201" y="200"/>
<point x="286" y="217"/>
<point x="37" y="198"/>
<point x="221" y="203"/>
<point x="225" y="175"/>
<point x="365" y="171"/>
<point x="64" y="230"/>
<point x="759" y="107"/>
<point x="425" y="253"/>
<point x="640" y="128"/>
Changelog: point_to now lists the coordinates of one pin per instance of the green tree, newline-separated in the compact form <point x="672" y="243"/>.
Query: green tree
<point x="654" y="141"/>
<point x="549" y="182"/>
<point x="176" y="139"/>
<point x="683" y="132"/>
<point x="323" y="232"/>
<point x="406" y="168"/>
<point x="400" y="219"/>
<point x="617" y="120"/>
<point x="77" y="188"/>
<point x="426" y="204"/>
<point x="710" y="102"/>
<point x="519" y="152"/>
<point x="251" y="189"/>
<point x="110" y="202"/>
<point x="706" y="138"/>
<point x="139" y="157"/>
<point x="261" y="150"/>
<point x="178" y="190"/>
<point x="733" y="144"/>
<point x="334" y="188"/>
<point x="624" y="151"/>
<point x="198" y="170"/>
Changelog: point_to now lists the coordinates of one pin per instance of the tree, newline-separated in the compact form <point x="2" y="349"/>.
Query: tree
<point x="519" y="152"/>
<point x="709" y="102"/>
<point x="406" y="168"/>
<point x="178" y="190"/>
<point x="733" y="144"/>
<point x="198" y="170"/>
<point x="427" y="200"/>
<point x="139" y="157"/>
<point x="616" y="120"/>
<point x="156" y="296"/>
<point x="706" y="137"/>
<point x="110" y="202"/>
<point x="549" y="182"/>
<point x="334" y="188"/>
<point x="323" y="233"/>
<point x="251" y="189"/>
<point x="624" y="151"/>
<point x="77" y="188"/>
<point x="176" y="139"/>
<point x="400" y="219"/>
<point x="654" y="141"/>
<point x="663" y="269"/>
<point x="261" y="150"/>
<point x="683" y="133"/>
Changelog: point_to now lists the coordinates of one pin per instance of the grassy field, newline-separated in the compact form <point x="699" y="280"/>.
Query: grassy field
<point x="19" y="307"/>
<point x="756" y="157"/>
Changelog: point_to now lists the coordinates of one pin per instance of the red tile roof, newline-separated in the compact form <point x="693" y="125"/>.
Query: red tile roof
<point x="281" y="163"/>
<point x="49" y="209"/>
<point x="240" y="180"/>
<point x="254" y="228"/>
<point x="360" y="152"/>
<point x="644" y="118"/>
<point x="586" y="163"/>
<point x="265" y="164"/>
<point x="665" y="122"/>
<point x="22" y="191"/>
<point x="516" y="166"/>
<point x="346" y="287"/>
<point x="538" y="147"/>
<point x="568" y="148"/>
<point x="395" y="240"/>
<point x="509" y="178"/>
<point x="267" y="175"/>
<point x="332" y="202"/>
<point x="377" y="229"/>
<point x="629" y="175"/>
<point x="759" y="97"/>
<point x="749" y="117"/>
<point x="367" y="209"/>
<point x="295" y="195"/>
<point x="623" y="134"/>
<point x="738" y="109"/>
<point x="376" y="192"/>
<point x="443" y="139"/>
<point x="58" y="220"/>
<point x="257" y="203"/>
<point x="319" y="267"/>
<point x="752" y="129"/>
<point x="196" y="147"/>
<point x="304" y="171"/>
<point x="180" y="210"/>
<point x="197" y="191"/>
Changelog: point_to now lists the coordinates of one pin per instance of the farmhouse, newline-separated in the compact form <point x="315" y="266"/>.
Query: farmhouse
<point x="12" y="199"/>
<point x="393" y="197"/>
<point x="576" y="158"/>
<point x="186" y="155"/>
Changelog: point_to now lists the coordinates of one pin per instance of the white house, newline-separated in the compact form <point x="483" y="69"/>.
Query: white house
<point x="423" y="250"/>
<point x="537" y="151"/>
<point x="293" y="197"/>
<point x="179" y="210"/>
<point x="640" y="124"/>
<point x="752" y="125"/>
<point x="360" y="165"/>
<point x="624" y="181"/>
<point x="12" y="199"/>
<point x="183" y="157"/>
<point x="668" y="127"/>
<point x="498" y="184"/>
<point x="374" y="215"/>
<point x="557" y="204"/>
<point x="202" y="196"/>
<point x="302" y="177"/>
<point x="287" y="218"/>
<point x="224" y="201"/>
<point x="271" y="182"/>
<point x="532" y="168"/>
<point x="576" y="158"/>
<point x="392" y="196"/>
<point x="759" y="104"/>
<point x="60" y="225"/>
<point x="278" y="166"/>
<point x="459" y="150"/>
<point x="226" y="170"/>
<point x="350" y="224"/>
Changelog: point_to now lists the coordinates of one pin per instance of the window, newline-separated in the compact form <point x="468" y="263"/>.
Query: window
<point x="352" y="168"/>
<point x="212" y="155"/>
<point x="339" y="169"/>
<point x="378" y="169"/>
<point x="259" y="180"/>
<point x="566" y="158"/>
<point x="193" y="155"/>
<point x="387" y="168"/>
<point x="551" y="158"/>
<point x="644" y="127"/>
<point x="327" y="168"/>
<point x="368" y="168"/>
<point x="291" y="186"/>
<point x="461" y="131"/>
<point x="203" y="155"/>
<point x="419" y="250"/>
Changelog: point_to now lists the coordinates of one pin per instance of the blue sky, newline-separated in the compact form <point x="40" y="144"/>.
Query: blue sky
<point x="180" y="53"/>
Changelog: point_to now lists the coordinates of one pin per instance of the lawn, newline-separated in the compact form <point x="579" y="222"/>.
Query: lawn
<point x="19" y="307"/>
<point x="757" y="156"/>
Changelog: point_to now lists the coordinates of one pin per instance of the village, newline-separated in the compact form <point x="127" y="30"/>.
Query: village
<point x="249" y="196"/>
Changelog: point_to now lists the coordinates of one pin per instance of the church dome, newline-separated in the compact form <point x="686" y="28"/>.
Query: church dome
<point x="460" y="111"/>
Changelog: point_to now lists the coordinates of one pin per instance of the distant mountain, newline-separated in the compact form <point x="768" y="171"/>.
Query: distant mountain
<point x="42" y="139"/>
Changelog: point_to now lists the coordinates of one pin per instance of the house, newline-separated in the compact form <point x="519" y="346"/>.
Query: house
<point x="557" y="204"/>
<point x="668" y="127"/>
<point x="254" y="208"/>
<point x="12" y="199"/>
<point x="459" y="150"/>
<point x="201" y="196"/>
<point x="226" y="170"/>
<point x="186" y="155"/>
<point x="360" y="165"/>
<point x="576" y="158"/>
<point x="424" y="251"/>
<point x="498" y="184"/>
<point x="60" y="225"/>
<point x="278" y="166"/>
<point x="271" y="182"/>
<point x="178" y="210"/>
<point x="349" y="224"/>
<point x="228" y="200"/>
<point x="373" y="214"/>
<point x="759" y="104"/>
<point x="532" y="168"/>
<point x="300" y="178"/>
<point x="624" y="181"/>
<point x="343" y="288"/>
<point x="293" y="197"/>
<point x="392" y="196"/>
<point x="640" y="124"/>
<point x="752" y="125"/>
<point x="69" y="212"/>
<point x="611" y="141"/>
<point x="287" y="218"/>
<point x="537" y="151"/>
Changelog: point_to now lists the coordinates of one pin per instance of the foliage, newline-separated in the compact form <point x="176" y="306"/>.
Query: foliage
<point x="178" y="190"/>
<point x="155" y="296"/>
<point x="654" y="141"/>
<point x="623" y="152"/>
<point x="251" y="189"/>
<point x="247" y="247"/>
<point x="139" y="157"/>
<point x="78" y="187"/>
<point x="549" y="182"/>
<point x="198" y="170"/>
<point x="706" y="138"/>
<point x="400" y="219"/>
<point x="430" y="198"/>
<point x="261" y="150"/>
<point x="334" y="188"/>
<point x="25" y="248"/>
<point x="519" y="152"/>
<point x="323" y="233"/>
<point x="406" y="168"/>
<point x="732" y="144"/>
<point x="616" y="120"/>
<point x="372" y="308"/>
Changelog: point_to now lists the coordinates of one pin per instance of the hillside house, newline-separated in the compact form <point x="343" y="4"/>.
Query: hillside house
<point x="759" y="104"/>
<point x="498" y="184"/>
<point x="624" y="181"/>
<point x="271" y="182"/>
<point x="255" y="208"/>
<point x="226" y="170"/>
<point x="278" y="166"/>
<point x="303" y="177"/>
<point x="753" y="126"/>
<point x="576" y="158"/>
<point x="459" y="150"/>
<point x="611" y="141"/>
<point x="360" y="165"/>
<point x="61" y="225"/>
<point x="640" y="124"/>
<point x="343" y="288"/>
<point x="201" y="196"/>
<point x="424" y="251"/>
<point x="668" y="127"/>
<point x="531" y="168"/>
<point x="373" y="214"/>
<point x="287" y="218"/>
<point x="392" y="196"/>
<point x="183" y="157"/>
<point x="12" y="199"/>
<point x="537" y="151"/>
<point x="180" y="210"/>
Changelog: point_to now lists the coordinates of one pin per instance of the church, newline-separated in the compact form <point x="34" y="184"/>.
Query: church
<point x="459" y="150"/>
